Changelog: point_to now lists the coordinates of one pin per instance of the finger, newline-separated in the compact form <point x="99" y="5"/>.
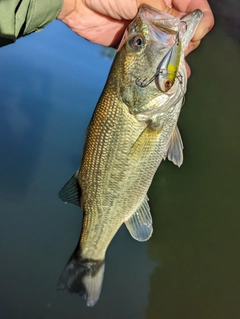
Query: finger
<point x="188" y="69"/>
<point x="161" y="5"/>
<point x="192" y="46"/>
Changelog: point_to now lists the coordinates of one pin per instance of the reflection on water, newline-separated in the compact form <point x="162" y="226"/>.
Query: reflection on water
<point x="21" y="126"/>
<point x="190" y="267"/>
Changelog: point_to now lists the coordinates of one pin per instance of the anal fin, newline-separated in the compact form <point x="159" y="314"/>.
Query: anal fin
<point x="140" y="223"/>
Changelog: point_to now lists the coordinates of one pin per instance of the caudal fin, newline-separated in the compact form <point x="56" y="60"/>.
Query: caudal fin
<point x="84" y="277"/>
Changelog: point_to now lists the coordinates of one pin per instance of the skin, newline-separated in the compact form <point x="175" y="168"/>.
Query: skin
<point x="104" y="21"/>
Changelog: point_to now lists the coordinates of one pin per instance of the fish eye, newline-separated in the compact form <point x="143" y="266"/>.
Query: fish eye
<point x="136" y="42"/>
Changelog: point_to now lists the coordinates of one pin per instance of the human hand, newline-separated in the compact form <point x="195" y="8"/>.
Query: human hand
<point x="104" y="21"/>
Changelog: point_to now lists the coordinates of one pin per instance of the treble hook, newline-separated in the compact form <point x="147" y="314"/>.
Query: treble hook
<point x="162" y="67"/>
<point x="144" y="83"/>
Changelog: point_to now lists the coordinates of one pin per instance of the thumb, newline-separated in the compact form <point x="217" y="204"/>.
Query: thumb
<point x="161" y="5"/>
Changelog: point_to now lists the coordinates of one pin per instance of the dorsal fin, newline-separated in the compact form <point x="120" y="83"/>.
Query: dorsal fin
<point x="140" y="223"/>
<point x="175" y="148"/>
<point x="71" y="191"/>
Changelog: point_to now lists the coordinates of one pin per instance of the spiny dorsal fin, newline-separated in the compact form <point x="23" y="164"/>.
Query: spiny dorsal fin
<point x="140" y="223"/>
<point x="70" y="193"/>
<point x="175" y="148"/>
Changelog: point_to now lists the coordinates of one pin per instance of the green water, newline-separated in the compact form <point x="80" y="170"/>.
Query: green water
<point x="189" y="269"/>
<point x="196" y="209"/>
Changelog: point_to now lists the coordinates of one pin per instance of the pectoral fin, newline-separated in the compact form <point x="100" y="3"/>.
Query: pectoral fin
<point x="140" y="223"/>
<point x="145" y="143"/>
<point x="175" y="148"/>
<point x="70" y="193"/>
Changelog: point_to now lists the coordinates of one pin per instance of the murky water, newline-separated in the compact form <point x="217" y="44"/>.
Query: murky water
<point x="49" y="86"/>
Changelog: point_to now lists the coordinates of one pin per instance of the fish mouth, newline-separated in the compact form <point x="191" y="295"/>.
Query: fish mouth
<point x="158" y="17"/>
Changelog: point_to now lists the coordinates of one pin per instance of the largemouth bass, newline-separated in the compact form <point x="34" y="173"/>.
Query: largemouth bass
<point x="134" y="127"/>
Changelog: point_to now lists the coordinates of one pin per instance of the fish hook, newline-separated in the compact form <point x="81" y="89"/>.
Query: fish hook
<point x="162" y="67"/>
<point x="144" y="83"/>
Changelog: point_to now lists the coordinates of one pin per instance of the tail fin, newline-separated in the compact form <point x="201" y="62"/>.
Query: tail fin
<point x="84" y="277"/>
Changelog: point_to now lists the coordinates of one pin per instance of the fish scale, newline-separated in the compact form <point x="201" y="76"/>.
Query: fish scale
<point x="109" y="162"/>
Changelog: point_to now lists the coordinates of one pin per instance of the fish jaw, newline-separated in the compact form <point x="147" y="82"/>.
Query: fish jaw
<point x="189" y="24"/>
<point x="186" y="25"/>
<point x="159" y="33"/>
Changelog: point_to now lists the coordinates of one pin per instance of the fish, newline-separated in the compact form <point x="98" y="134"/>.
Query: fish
<point x="133" y="128"/>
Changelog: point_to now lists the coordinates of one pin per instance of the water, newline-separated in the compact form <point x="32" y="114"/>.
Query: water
<point x="49" y="85"/>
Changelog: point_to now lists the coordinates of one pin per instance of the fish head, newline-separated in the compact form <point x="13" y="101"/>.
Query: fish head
<point x="149" y="66"/>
